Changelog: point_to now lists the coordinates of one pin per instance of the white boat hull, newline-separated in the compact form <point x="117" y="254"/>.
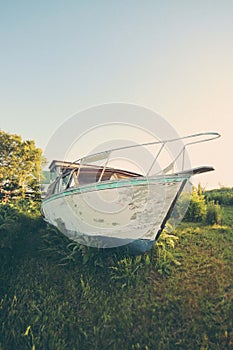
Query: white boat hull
<point x="113" y="213"/>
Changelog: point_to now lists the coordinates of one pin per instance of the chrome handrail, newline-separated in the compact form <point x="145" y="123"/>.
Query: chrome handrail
<point x="215" y="135"/>
<point x="106" y="154"/>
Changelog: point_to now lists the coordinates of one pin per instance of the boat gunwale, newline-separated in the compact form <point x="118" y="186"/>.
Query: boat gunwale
<point x="110" y="184"/>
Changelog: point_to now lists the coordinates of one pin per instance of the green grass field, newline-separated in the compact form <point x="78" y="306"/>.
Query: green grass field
<point x="56" y="296"/>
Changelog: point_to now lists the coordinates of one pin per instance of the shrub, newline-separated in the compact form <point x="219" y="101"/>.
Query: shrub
<point x="197" y="207"/>
<point x="222" y="196"/>
<point x="213" y="213"/>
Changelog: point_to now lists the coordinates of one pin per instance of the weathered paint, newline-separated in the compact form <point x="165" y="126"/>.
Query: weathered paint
<point x="120" y="211"/>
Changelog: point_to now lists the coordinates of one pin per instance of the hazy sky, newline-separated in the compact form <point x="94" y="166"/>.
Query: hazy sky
<point x="174" y="57"/>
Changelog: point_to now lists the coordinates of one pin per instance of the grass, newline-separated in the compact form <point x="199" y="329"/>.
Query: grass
<point x="57" y="296"/>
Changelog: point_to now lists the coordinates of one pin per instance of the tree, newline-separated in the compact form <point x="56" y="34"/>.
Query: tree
<point x="20" y="168"/>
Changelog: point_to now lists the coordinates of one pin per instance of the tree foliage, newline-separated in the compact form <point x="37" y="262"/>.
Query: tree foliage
<point x="20" y="167"/>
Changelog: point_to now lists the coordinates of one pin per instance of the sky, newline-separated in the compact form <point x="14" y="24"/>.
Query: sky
<point x="59" y="57"/>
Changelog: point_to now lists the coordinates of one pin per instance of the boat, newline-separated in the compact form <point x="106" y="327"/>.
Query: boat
<point x="96" y="202"/>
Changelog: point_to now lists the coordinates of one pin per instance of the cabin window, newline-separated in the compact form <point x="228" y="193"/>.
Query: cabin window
<point x="51" y="189"/>
<point x="73" y="180"/>
<point x="56" y="188"/>
<point x="113" y="177"/>
<point x="64" y="182"/>
<point x="87" y="176"/>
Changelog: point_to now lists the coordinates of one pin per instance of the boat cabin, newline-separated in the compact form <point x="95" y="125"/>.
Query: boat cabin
<point x="65" y="175"/>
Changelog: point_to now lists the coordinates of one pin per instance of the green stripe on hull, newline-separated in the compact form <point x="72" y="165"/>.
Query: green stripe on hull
<point x="98" y="186"/>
